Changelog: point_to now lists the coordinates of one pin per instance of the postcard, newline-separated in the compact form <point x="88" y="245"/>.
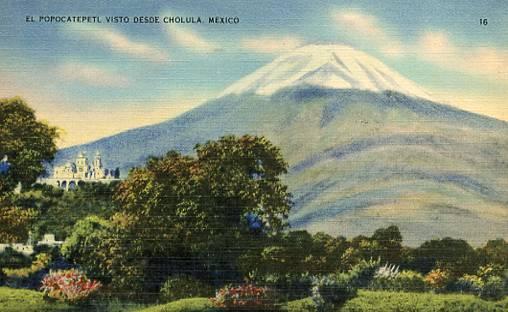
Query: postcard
<point x="253" y="155"/>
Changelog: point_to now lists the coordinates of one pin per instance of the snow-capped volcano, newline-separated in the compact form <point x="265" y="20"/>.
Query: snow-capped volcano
<point x="327" y="66"/>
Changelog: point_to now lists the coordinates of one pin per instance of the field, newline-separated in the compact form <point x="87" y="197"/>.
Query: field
<point x="16" y="300"/>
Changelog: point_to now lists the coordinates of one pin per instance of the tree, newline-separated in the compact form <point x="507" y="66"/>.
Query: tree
<point x="494" y="252"/>
<point x="58" y="210"/>
<point x="453" y="255"/>
<point x="85" y="246"/>
<point x="181" y="214"/>
<point x="27" y="142"/>
<point x="389" y="241"/>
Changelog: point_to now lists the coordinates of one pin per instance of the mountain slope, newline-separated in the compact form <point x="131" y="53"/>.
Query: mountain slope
<point x="360" y="157"/>
<point x="359" y="160"/>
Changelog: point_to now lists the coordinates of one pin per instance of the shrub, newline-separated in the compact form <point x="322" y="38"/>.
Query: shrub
<point x="489" y="270"/>
<point x="362" y="274"/>
<point x="438" y="279"/>
<point x="2" y="276"/>
<point x="410" y="281"/>
<point x="183" y="286"/>
<point x="471" y="284"/>
<point x="332" y="291"/>
<point x="493" y="289"/>
<point x="10" y="258"/>
<point x="70" y="286"/>
<point x="287" y="286"/>
<point x="245" y="297"/>
<point x="28" y="277"/>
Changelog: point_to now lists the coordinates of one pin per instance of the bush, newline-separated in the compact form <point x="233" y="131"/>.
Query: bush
<point x="10" y="258"/>
<point x="28" y="277"/>
<point x="180" y="287"/>
<point x="287" y="286"/>
<point x="2" y="277"/>
<point x="245" y="297"/>
<point x="332" y="291"/>
<point x="489" y="270"/>
<point x="409" y="281"/>
<point x="470" y="284"/>
<point x="493" y="289"/>
<point x="362" y="274"/>
<point x="69" y="286"/>
<point x="438" y="279"/>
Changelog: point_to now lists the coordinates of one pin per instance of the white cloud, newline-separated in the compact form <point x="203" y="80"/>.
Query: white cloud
<point x="190" y="39"/>
<point x="120" y="43"/>
<point x="436" y="47"/>
<point x="370" y="29"/>
<point x="90" y="74"/>
<point x="271" y="44"/>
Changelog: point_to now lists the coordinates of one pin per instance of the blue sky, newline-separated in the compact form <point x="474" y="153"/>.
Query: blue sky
<point x="94" y="80"/>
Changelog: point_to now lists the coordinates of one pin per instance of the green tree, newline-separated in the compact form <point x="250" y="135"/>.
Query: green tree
<point x="389" y="242"/>
<point x="453" y="255"/>
<point x="494" y="252"/>
<point x="59" y="210"/>
<point x="181" y="214"/>
<point x="88" y="246"/>
<point x="27" y="142"/>
<point x="25" y="145"/>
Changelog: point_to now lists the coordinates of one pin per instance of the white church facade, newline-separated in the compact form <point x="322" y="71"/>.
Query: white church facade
<point x="81" y="170"/>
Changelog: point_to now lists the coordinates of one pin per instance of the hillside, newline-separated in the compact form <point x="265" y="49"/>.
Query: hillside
<point x="359" y="159"/>
<point x="366" y="146"/>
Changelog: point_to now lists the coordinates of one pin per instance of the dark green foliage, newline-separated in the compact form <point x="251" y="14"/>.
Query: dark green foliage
<point x="294" y="253"/>
<point x="287" y="286"/>
<point x="2" y="276"/>
<point x="58" y="210"/>
<point x="181" y="214"/>
<point x="362" y="274"/>
<point x="389" y="242"/>
<point x="12" y="259"/>
<point x="184" y="286"/>
<point x="494" y="252"/>
<point x="385" y="244"/>
<point x="407" y="281"/>
<point x="332" y="291"/>
<point x="86" y="247"/>
<point x="453" y="255"/>
<point x="27" y="142"/>
<point x="493" y="288"/>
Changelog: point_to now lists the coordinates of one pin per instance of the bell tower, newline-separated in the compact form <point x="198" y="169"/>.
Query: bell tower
<point x="97" y="162"/>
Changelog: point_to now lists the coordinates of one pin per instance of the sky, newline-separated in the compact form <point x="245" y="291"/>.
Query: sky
<point x="93" y="80"/>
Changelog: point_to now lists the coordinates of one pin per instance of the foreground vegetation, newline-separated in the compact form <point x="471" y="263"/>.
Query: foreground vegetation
<point x="367" y="301"/>
<point x="23" y="300"/>
<point x="17" y="300"/>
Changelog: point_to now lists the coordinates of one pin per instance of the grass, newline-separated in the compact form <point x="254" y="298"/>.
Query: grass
<point x="20" y="300"/>
<point x="184" y="305"/>
<point x="367" y="301"/>
<point x="23" y="300"/>
<point x="384" y="301"/>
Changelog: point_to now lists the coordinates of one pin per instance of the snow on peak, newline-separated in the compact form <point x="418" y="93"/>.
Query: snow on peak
<point x="327" y="66"/>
